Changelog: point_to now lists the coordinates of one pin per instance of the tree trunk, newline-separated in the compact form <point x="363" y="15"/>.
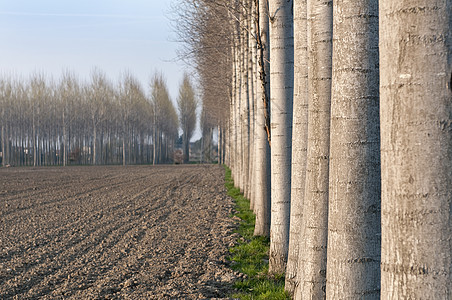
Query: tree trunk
<point x="238" y="104"/>
<point x="233" y="122"/>
<point x="156" y="146"/>
<point x="299" y="141"/>
<point x="34" y="136"/>
<point x="263" y="183"/>
<point x="227" y="139"/>
<point x="416" y="149"/>
<point x="186" y="149"/>
<point x="64" y="139"/>
<point x="312" y="258"/>
<point x="353" y="263"/>
<point x="281" y="98"/>
<point x="94" y="143"/>
<point x="219" y="145"/>
<point x="3" y="133"/>
<point x="253" y="104"/>
<point x="245" y="101"/>
<point x="251" y="76"/>
<point x="124" y="149"/>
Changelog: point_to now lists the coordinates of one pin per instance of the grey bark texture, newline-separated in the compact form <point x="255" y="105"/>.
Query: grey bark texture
<point x="255" y="71"/>
<point x="244" y="106"/>
<point x="263" y="183"/>
<point x="246" y="101"/>
<point x="281" y="107"/>
<point x="234" y="118"/>
<point x="299" y="140"/>
<point x="353" y="253"/>
<point x="312" y="263"/>
<point x="416" y="149"/>
<point x="251" y="99"/>
<point x="238" y="107"/>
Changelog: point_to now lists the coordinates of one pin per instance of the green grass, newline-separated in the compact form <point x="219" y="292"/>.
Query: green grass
<point x="250" y="256"/>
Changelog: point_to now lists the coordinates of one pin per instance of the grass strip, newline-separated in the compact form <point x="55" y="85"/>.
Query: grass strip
<point x="250" y="256"/>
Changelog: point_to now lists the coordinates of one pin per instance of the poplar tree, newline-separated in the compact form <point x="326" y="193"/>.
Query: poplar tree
<point x="353" y="253"/>
<point x="187" y="113"/>
<point x="416" y="149"/>
<point x="281" y="106"/>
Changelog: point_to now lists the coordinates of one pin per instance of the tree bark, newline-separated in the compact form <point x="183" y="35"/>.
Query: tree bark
<point x="281" y="99"/>
<point x="253" y="105"/>
<point x="34" y="136"/>
<point x="64" y="137"/>
<point x="238" y="110"/>
<point x="312" y="263"/>
<point x="234" y="140"/>
<point x="263" y="183"/>
<point x="3" y="133"/>
<point x="245" y="104"/>
<point x="416" y="150"/>
<point x="251" y="75"/>
<point x="353" y="253"/>
<point x="94" y="162"/>
<point x="124" y="162"/>
<point x="299" y="141"/>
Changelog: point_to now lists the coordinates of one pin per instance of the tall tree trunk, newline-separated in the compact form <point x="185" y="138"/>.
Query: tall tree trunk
<point x="224" y="139"/>
<point x="65" y="149"/>
<point x="124" y="148"/>
<point x="219" y="145"/>
<point x="281" y="98"/>
<point x="68" y="149"/>
<point x="263" y="183"/>
<point x="102" y="159"/>
<point x="416" y="149"/>
<point x="251" y="76"/>
<point x="245" y="101"/>
<point x="312" y="258"/>
<point x="239" y="105"/>
<point x="299" y="140"/>
<point x="253" y="104"/>
<point x="233" y="109"/>
<point x="94" y="162"/>
<point x="154" y="146"/>
<point x="227" y="140"/>
<point x="8" y="144"/>
<point x="353" y="263"/>
<point x="22" y="141"/>
<point x="186" y="149"/>
<point x="34" y="136"/>
<point x="3" y="133"/>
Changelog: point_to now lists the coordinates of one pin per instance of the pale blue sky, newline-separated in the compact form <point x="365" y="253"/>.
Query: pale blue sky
<point x="114" y="35"/>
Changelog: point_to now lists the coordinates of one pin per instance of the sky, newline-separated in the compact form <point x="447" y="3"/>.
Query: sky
<point x="50" y="36"/>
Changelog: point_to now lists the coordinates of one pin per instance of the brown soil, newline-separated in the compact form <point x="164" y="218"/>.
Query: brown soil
<point x="138" y="232"/>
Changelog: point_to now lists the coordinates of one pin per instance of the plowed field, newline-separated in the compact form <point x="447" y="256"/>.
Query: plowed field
<point x="137" y="232"/>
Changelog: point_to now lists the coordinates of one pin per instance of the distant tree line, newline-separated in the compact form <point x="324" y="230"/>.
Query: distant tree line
<point x="70" y="121"/>
<point x="203" y="29"/>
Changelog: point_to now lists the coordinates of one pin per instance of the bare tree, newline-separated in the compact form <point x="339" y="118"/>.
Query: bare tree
<point x="98" y="93"/>
<point x="187" y="113"/>
<point x="68" y="90"/>
<point x="165" y="120"/>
